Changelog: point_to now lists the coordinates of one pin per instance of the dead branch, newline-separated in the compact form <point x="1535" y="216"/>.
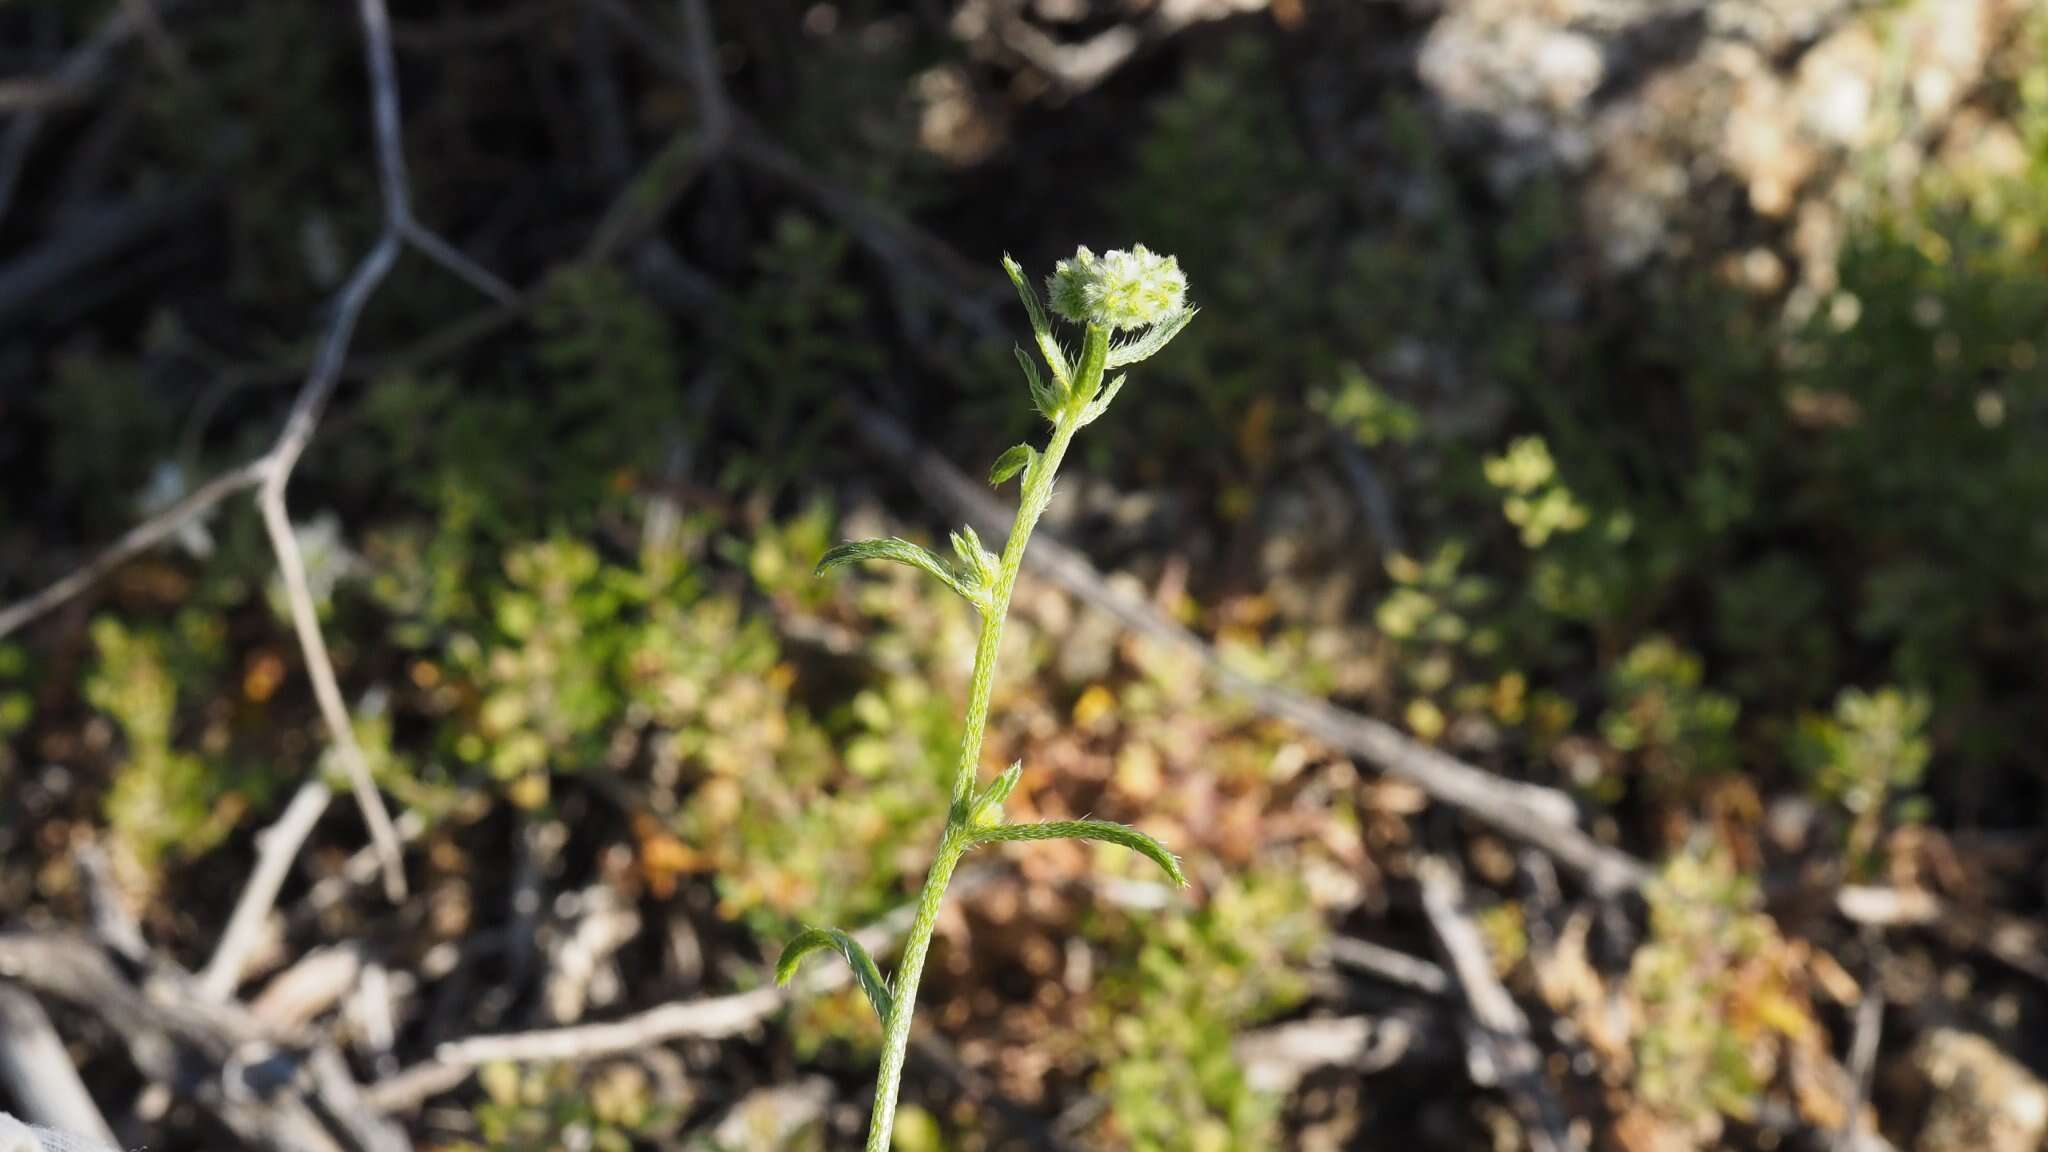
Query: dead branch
<point x="1394" y="967"/>
<point x="138" y="540"/>
<point x="1868" y="1031"/>
<point x="700" y="58"/>
<point x="316" y="982"/>
<point x="38" y="1073"/>
<point x="112" y="924"/>
<point x="304" y="417"/>
<point x="277" y="846"/>
<point x="714" y="1018"/>
<point x="1277" y="1059"/>
<point x="212" y="1054"/>
<point x="711" y="1018"/>
<point x="1498" y="1048"/>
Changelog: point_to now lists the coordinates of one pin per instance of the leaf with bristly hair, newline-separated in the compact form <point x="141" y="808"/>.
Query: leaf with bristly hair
<point x="989" y="804"/>
<point x="904" y="552"/>
<point x="1100" y="404"/>
<point x="1041" y="329"/>
<point x="863" y="965"/>
<point x="1017" y="459"/>
<point x="1047" y="398"/>
<point x="1147" y="345"/>
<point x="976" y="559"/>
<point x="1102" y="830"/>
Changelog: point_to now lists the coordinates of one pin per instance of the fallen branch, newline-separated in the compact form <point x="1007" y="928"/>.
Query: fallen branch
<point x="713" y="1018"/>
<point x="710" y="1018"/>
<point x="38" y="1075"/>
<point x="112" y="924"/>
<point x="1277" y="1059"/>
<point x="1869" y="1029"/>
<point x="1411" y="972"/>
<point x="1499" y="1051"/>
<point x="305" y="416"/>
<point x="214" y="1055"/>
<point x="135" y="542"/>
<point x="278" y="846"/>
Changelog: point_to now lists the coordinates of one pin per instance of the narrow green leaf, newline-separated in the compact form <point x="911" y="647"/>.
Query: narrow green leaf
<point x="1100" y="404"/>
<point x="1103" y="830"/>
<point x="975" y="558"/>
<point x="1047" y="398"/>
<point x="1017" y="459"/>
<point x="857" y="958"/>
<point x="989" y="805"/>
<point x="1041" y="329"/>
<point x="902" y="552"/>
<point x="1148" y="344"/>
<point x="967" y="546"/>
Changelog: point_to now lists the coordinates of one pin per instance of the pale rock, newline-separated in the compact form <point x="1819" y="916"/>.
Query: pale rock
<point x="1983" y="1100"/>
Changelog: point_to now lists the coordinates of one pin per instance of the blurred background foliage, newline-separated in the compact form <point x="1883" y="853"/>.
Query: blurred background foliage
<point x="1676" y="435"/>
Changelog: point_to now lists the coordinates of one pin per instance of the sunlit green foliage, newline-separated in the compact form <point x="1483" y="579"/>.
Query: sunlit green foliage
<point x="546" y="671"/>
<point x="1719" y="997"/>
<point x="1532" y="497"/>
<point x="560" y="651"/>
<point x="1873" y="748"/>
<point x="1681" y="732"/>
<point x="592" y="419"/>
<point x="540" y="1108"/>
<point x="1364" y="410"/>
<point x="1181" y="990"/>
<point x="166" y="801"/>
<point x="17" y="706"/>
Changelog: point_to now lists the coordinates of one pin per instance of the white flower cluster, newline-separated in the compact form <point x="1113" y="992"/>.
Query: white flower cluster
<point x="1118" y="289"/>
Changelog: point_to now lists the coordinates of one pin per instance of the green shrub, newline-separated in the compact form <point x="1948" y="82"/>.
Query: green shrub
<point x="1860" y="758"/>
<point x="542" y="1108"/>
<point x="165" y="802"/>
<point x="1680" y="732"/>
<point x="1179" y="991"/>
<point x="1719" y="997"/>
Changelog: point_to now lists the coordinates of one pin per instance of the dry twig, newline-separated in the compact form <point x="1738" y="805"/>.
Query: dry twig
<point x="212" y="1054"/>
<point x="713" y="1017"/>
<point x="278" y="846"/>
<point x="1394" y="967"/>
<point x="1277" y="1059"/>
<point x="1869" y="1029"/>
<point x="1499" y="1050"/>
<point x="38" y="1074"/>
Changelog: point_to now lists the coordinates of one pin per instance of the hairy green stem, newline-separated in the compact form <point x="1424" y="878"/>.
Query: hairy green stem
<point x="1037" y="492"/>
